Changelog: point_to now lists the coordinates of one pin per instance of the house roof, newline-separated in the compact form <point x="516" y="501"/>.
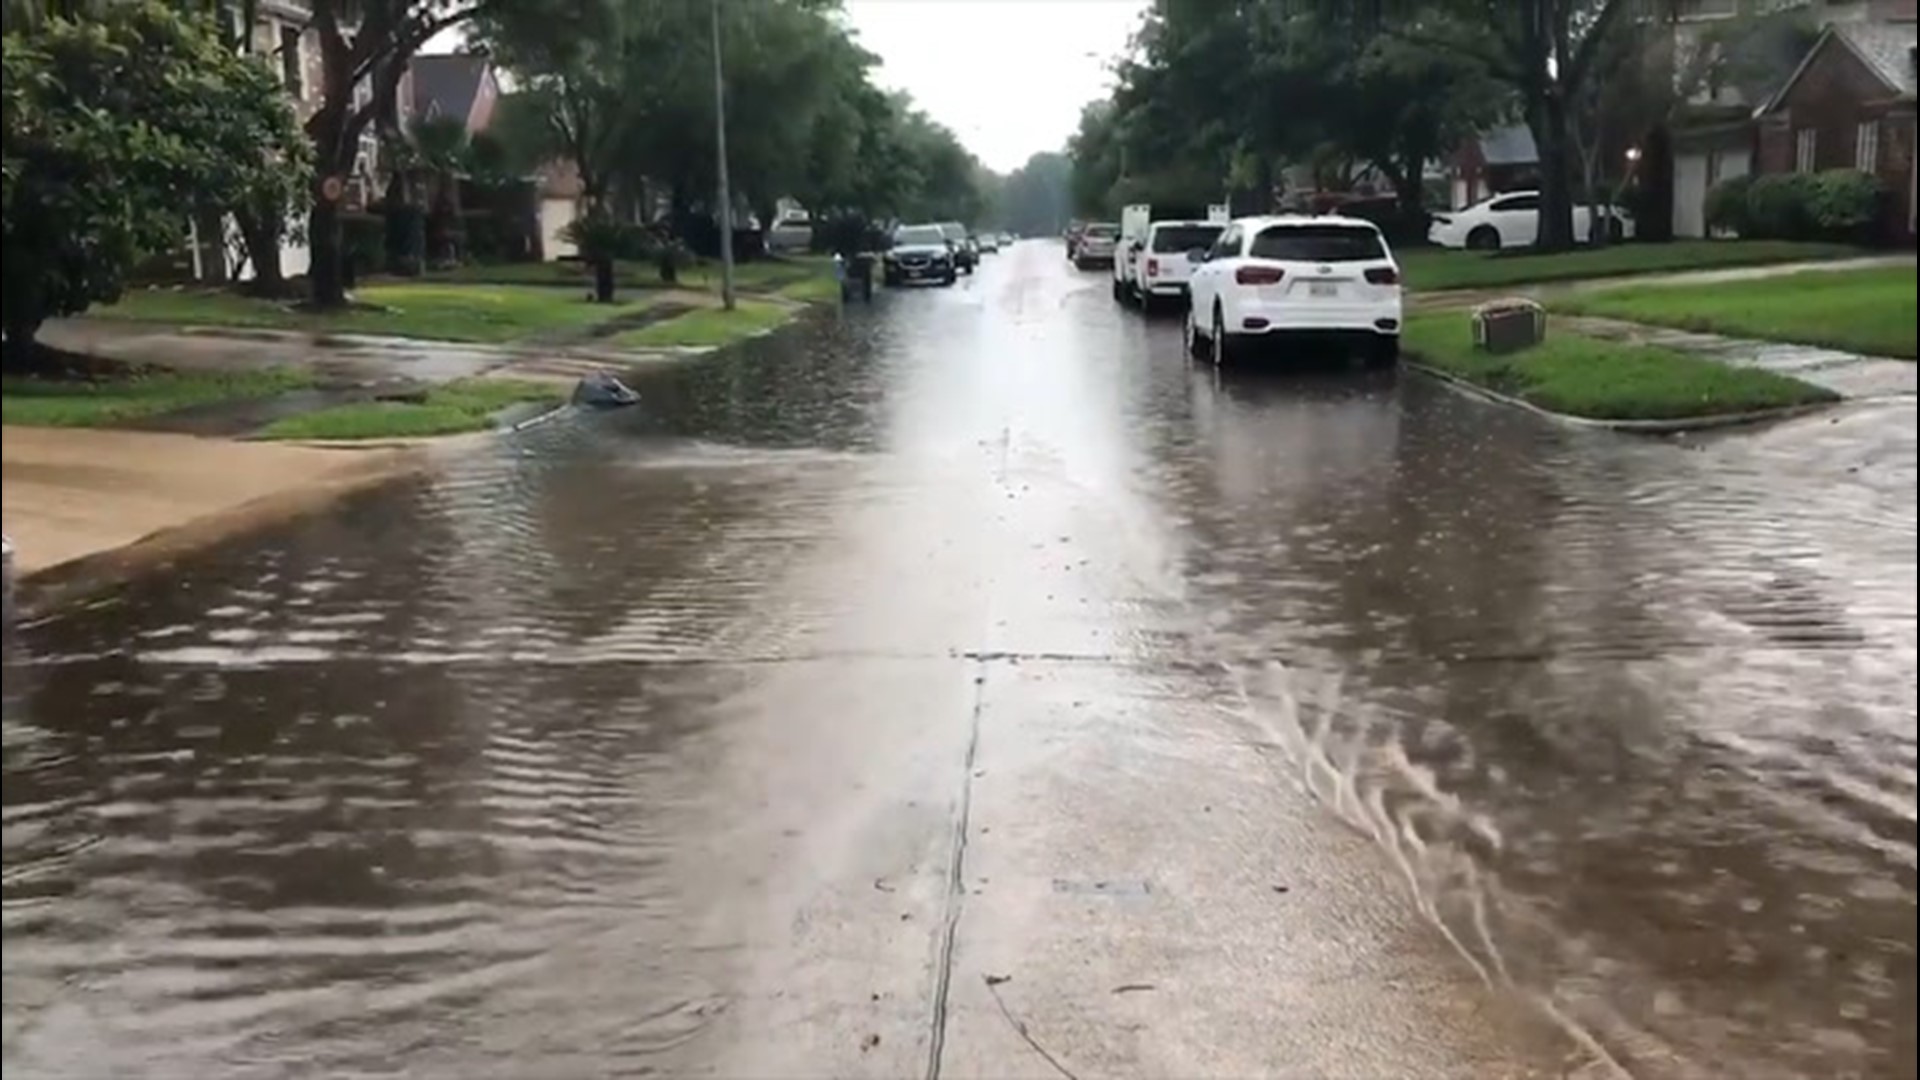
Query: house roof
<point x="1885" y="48"/>
<point x="1510" y="145"/>
<point x="446" y="85"/>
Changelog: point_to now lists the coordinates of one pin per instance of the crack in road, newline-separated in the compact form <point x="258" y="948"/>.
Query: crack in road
<point x="956" y="884"/>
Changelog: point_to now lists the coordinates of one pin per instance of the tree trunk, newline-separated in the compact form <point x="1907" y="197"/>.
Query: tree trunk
<point x="261" y="234"/>
<point x="325" y="274"/>
<point x="603" y="280"/>
<point x="20" y="350"/>
<point x="1547" y="118"/>
<point x="405" y="239"/>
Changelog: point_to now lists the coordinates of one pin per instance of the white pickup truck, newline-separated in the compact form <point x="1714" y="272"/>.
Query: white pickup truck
<point x="1149" y="260"/>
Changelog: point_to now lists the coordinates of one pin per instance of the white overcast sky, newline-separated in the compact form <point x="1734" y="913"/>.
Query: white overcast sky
<point x="1008" y="76"/>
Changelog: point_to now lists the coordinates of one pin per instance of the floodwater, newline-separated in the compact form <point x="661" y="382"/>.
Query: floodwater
<point x="970" y="686"/>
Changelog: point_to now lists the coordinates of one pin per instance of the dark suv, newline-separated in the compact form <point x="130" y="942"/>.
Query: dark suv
<point x="965" y="255"/>
<point x="919" y="253"/>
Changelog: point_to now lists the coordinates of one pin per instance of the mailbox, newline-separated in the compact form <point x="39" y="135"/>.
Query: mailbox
<point x="1505" y="326"/>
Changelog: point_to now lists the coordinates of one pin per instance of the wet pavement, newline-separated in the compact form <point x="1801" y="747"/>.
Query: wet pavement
<point x="969" y="686"/>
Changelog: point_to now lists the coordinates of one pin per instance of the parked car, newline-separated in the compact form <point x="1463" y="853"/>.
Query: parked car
<point x="987" y="242"/>
<point x="1266" y="278"/>
<point x="1513" y="220"/>
<point x="966" y="255"/>
<point x="1096" y="245"/>
<point x="793" y="232"/>
<point x="920" y="253"/>
<point x="1162" y="267"/>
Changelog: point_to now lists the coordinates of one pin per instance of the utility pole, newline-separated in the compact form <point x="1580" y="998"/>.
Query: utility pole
<point x="726" y="188"/>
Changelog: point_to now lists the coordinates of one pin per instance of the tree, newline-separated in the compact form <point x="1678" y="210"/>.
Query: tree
<point x="1550" y="52"/>
<point x="444" y="150"/>
<point x="364" y="45"/>
<point x="624" y="89"/>
<point x="117" y="127"/>
<point x="1392" y="104"/>
<point x="1036" y="198"/>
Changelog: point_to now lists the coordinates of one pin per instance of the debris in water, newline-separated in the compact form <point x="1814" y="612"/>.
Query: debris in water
<point x="601" y="390"/>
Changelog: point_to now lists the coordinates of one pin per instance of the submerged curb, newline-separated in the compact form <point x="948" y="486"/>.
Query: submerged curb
<point x="1635" y="427"/>
<point x="536" y="419"/>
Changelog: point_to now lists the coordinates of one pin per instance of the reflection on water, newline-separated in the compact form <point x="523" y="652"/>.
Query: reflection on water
<point x="1635" y="719"/>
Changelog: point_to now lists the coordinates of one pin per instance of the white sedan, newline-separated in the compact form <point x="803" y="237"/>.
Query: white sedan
<point x="1316" y="277"/>
<point x="1513" y="220"/>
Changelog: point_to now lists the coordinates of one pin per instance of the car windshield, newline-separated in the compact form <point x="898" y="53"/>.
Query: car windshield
<point x="914" y="235"/>
<point x="1317" y="243"/>
<point x="1185" y="237"/>
<point x="1103" y="232"/>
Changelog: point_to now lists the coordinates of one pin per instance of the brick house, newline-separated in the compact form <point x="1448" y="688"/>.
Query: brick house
<point x="1849" y="105"/>
<point x="1502" y="159"/>
<point x="452" y="85"/>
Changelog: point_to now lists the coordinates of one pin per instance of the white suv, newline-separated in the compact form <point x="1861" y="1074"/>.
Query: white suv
<point x="1161" y="267"/>
<point x="1326" y="277"/>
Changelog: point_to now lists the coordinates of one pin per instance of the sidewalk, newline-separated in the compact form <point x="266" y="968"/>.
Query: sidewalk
<point x="1847" y="374"/>
<point x="71" y="496"/>
<point x="336" y="358"/>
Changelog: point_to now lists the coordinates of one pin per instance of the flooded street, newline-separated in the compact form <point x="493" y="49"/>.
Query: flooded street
<point x="970" y="686"/>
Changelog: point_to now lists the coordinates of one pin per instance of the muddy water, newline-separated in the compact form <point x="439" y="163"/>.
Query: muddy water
<point x="456" y="779"/>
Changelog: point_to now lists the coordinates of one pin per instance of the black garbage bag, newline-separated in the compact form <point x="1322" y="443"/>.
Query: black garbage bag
<point x="601" y="390"/>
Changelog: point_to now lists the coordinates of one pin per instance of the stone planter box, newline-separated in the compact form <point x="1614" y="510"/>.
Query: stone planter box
<point x="1505" y="326"/>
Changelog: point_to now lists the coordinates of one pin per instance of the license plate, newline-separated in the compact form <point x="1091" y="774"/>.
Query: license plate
<point x="1322" y="288"/>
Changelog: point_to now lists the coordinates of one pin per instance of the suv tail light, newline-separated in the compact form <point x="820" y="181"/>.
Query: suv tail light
<point x="1258" y="275"/>
<point x="1383" y="275"/>
<point x="1153" y="267"/>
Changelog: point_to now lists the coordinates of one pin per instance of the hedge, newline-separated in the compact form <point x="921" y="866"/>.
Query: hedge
<point x="1838" y="204"/>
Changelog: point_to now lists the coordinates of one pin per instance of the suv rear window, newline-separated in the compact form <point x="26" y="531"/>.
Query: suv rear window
<point x="1317" y="243"/>
<point x="1185" y="237"/>
<point x="1103" y="232"/>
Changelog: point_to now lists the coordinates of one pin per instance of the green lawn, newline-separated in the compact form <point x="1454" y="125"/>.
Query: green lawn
<point x="1433" y="269"/>
<point x="1864" y="311"/>
<point x="459" y="406"/>
<point x="776" y="275"/>
<point x="569" y="273"/>
<point x="815" y="289"/>
<point x="79" y="403"/>
<point x="432" y="311"/>
<point x="1603" y="380"/>
<point x="709" y="326"/>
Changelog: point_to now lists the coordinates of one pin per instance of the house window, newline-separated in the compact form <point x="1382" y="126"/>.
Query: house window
<point x="1806" y="142"/>
<point x="1866" y="147"/>
<point x="1708" y="9"/>
<point x="290" y="67"/>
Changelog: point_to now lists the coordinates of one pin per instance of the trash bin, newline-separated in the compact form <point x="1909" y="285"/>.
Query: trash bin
<point x="856" y="277"/>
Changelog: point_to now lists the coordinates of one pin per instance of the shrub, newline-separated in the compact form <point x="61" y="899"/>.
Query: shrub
<point x="1844" y="203"/>
<point x="1726" y="206"/>
<point x="1779" y="207"/>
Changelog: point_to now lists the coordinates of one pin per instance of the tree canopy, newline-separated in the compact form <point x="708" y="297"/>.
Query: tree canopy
<point x="1217" y="96"/>
<point x="118" y="126"/>
<point x="623" y="90"/>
